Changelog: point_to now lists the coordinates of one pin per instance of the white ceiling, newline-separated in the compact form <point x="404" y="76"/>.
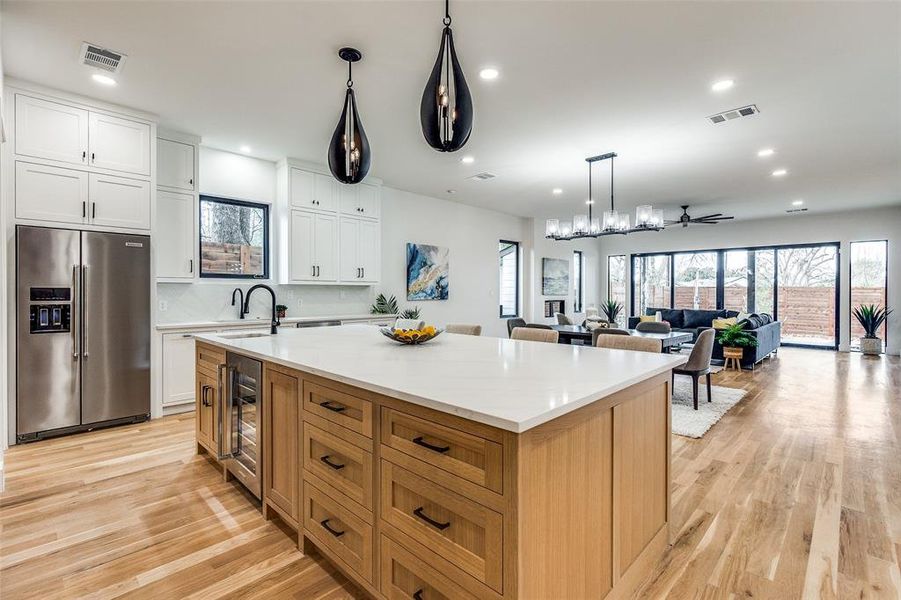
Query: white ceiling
<point x="577" y="79"/>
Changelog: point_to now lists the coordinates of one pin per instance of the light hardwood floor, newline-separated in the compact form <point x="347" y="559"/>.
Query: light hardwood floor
<point x="796" y="493"/>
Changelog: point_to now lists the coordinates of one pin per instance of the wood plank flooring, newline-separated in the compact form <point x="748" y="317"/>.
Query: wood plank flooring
<point x="796" y="493"/>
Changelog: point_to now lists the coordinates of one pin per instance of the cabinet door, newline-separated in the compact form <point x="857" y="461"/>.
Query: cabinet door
<point x="282" y="452"/>
<point x="207" y="403"/>
<point x="325" y="239"/>
<point x="349" y="265"/>
<point x="174" y="164"/>
<point x="119" y="144"/>
<point x="302" y="189"/>
<point x="51" y="130"/>
<point x="369" y="248"/>
<point x="325" y="192"/>
<point x="175" y="235"/>
<point x="50" y="193"/>
<point x="119" y="202"/>
<point x="347" y="199"/>
<point x="369" y="200"/>
<point x="178" y="368"/>
<point x="301" y="266"/>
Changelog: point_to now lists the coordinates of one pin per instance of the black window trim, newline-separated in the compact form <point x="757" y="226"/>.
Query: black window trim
<point x="500" y="304"/>
<point x="579" y="299"/>
<point x="266" y="241"/>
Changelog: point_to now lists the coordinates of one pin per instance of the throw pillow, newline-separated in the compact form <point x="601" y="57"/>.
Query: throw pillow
<point x="648" y="318"/>
<point x="742" y="316"/>
<point x="723" y="323"/>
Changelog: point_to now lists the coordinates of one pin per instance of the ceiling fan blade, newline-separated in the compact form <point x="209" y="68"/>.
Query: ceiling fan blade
<point x="715" y="218"/>
<point x="706" y="217"/>
<point x="668" y="222"/>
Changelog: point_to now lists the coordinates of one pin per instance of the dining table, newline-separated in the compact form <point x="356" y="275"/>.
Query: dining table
<point x="570" y="333"/>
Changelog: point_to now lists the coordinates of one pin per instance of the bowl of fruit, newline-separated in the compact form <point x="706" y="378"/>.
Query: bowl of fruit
<point x="411" y="336"/>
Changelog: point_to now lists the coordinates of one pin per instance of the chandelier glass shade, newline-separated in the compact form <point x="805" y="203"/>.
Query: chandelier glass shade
<point x="613" y="222"/>
<point x="349" y="156"/>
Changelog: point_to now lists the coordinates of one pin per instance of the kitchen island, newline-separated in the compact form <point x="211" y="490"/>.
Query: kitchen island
<point x="467" y="467"/>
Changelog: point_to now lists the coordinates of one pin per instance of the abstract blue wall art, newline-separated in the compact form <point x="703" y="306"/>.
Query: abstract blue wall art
<point x="427" y="272"/>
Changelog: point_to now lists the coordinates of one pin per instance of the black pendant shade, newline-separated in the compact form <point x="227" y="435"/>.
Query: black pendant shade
<point x="446" y="108"/>
<point x="349" y="155"/>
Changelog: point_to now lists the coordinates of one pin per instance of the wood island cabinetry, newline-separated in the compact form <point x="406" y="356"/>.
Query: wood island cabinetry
<point x="411" y="502"/>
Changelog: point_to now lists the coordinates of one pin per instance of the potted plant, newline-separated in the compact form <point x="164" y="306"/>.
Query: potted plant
<point x="411" y="313"/>
<point x="734" y="339"/>
<point x="281" y="310"/>
<point x="384" y="306"/>
<point x="611" y="309"/>
<point x="871" y="317"/>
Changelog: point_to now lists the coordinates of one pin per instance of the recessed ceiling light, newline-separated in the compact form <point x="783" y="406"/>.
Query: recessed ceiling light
<point x="451" y="191"/>
<point x="103" y="79"/>
<point x="556" y="191"/>
<point x="766" y="152"/>
<point x="779" y="172"/>
<point x="797" y="203"/>
<point x="489" y="73"/>
<point x="722" y="86"/>
<point x="467" y="160"/>
<point x="245" y="149"/>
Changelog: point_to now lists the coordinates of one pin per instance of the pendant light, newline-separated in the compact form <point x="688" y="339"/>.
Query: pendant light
<point x="445" y="111"/>
<point x="348" y="153"/>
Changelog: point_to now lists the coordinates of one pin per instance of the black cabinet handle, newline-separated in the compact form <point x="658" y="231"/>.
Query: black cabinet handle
<point x="92" y="157"/>
<point x="191" y="181"/>
<point x="437" y="525"/>
<point x="334" y="532"/>
<point x="326" y="460"/>
<point x="84" y="155"/>
<point x="93" y="209"/>
<point x="84" y="209"/>
<point x="417" y="595"/>
<point x="421" y="442"/>
<point x="332" y="407"/>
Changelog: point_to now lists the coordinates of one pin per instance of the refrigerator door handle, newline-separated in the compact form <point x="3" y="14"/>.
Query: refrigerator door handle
<point x="84" y="312"/>
<point x="72" y="325"/>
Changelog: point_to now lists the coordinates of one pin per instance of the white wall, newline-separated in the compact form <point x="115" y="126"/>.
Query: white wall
<point x="875" y="224"/>
<point x="471" y="234"/>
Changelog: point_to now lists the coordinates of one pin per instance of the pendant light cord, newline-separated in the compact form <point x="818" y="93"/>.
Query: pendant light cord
<point x="611" y="182"/>
<point x="590" y="204"/>
<point x="447" y="17"/>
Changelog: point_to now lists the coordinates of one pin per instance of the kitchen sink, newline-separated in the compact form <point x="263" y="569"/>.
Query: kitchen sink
<point x="241" y="336"/>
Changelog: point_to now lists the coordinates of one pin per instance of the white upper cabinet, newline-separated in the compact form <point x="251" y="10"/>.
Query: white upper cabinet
<point x="119" y="202"/>
<point x="313" y="191"/>
<point x="174" y="164"/>
<point x="325" y="192"/>
<point x="325" y="247"/>
<point x="314" y="247"/>
<point x="349" y="268"/>
<point x="119" y="144"/>
<point x="174" y="235"/>
<point x="370" y="250"/>
<point x="51" y="130"/>
<point x="51" y="194"/>
<point x="360" y="250"/>
<point x="359" y="200"/>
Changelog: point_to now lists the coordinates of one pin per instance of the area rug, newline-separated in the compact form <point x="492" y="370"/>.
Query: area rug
<point x="694" y="423"/>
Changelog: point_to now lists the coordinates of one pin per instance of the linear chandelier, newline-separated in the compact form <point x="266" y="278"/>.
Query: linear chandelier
<point x="613" y="223"/>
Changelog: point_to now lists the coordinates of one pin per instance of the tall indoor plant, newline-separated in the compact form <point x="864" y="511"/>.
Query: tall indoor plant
<point x="871" y="317"/>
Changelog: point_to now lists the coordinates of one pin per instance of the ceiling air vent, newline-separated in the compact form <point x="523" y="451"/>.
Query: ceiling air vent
<point x="735" y="113"/>
<point x="796" y="210"/>
<point x="98" y="57"/>
<point x="485" y="176"/>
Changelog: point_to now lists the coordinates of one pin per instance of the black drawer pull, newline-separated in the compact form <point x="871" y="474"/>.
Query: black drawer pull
<point x="417" y="595"/>
<point x="421" y="442"/>
<point x="326" y="460"/>
<point x="332" y="407"/>
<point x="439" y="526"/>
<point x="334" y="532"/>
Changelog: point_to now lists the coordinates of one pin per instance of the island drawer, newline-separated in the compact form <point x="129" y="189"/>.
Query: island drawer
<point x="465" y="533"/>
<point x="463" y="454"/>
<point x="209" y="357"/>
<point x="347" y="410"/>
<point x="405" y="576"/>
<point x="339" y="530"/>
<point x="339" y="463"/>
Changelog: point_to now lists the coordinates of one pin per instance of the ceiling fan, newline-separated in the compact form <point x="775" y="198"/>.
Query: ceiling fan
<point x="684" y="219"/>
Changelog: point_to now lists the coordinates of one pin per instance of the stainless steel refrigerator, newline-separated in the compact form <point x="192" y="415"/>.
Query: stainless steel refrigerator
<point x="82" y="330"/>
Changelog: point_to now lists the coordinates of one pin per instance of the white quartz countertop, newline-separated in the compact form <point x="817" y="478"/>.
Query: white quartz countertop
<point x="264" y="321"/>
<point x="509" y="384"/>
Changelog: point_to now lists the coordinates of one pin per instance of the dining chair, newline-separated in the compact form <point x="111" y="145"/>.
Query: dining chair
<point x="513" y="324"/>
<point x="596" y="333"/>
<point x="653" y="327"/>
<point x="698" y="364"/>
<point x="464" y="329"/>
<point x="629" y="342"/>
<point x="532" y="334"/>
<point x="563" y="319"/>
<point x="537" y="326"/>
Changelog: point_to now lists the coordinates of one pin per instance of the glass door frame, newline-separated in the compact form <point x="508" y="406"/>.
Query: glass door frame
<point x="720" y="278"/>
<point x="851" y="347"/>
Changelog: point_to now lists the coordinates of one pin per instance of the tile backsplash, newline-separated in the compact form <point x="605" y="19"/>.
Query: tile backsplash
<point x="186" y="303"/>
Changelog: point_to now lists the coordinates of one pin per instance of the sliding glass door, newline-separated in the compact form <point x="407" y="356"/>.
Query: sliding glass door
<point x="869" y="273"/>
<point x="695" y="277"/>
<point x="616" y="283"/>
<point x="748" y="280"/>
<point x="652" y="281"/>
<point x="806" y="290"/>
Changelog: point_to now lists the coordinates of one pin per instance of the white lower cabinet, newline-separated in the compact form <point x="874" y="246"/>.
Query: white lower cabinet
<point x="119" y="202"/>
<point x="178" y="368"/>
<point x="313" y="247"/>
<point x="174" y="235"/>
<point x="50" y="193"/>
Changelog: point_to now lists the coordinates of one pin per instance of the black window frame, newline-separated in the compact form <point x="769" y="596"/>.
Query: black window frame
<point x="516" y="311"/>
<point x="266" y="239"/>
<point x="851" y="317"/>
<point x="579" y="297"/>
<point x="635" y="257"/>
